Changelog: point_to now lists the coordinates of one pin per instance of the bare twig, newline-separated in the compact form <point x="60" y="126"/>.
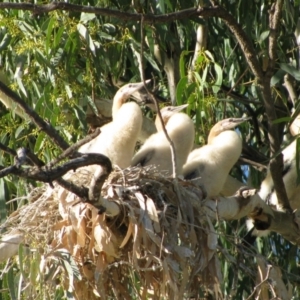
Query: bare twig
<point x="255" y="164"/>
<point x="262" y="282"/>
<point x="173" y="154"/>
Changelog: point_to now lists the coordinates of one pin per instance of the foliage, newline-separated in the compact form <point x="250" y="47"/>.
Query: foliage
<point x="60" y="62"/>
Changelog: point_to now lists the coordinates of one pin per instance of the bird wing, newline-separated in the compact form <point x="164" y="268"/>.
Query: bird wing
<point x="193" y="170"/>
<point x="143" y="157"/>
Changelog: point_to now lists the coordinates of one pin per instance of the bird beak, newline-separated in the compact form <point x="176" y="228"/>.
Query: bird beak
<point x="178" y="108"/>
<point x="233" y="122"/>
<point x="131" y="88"/>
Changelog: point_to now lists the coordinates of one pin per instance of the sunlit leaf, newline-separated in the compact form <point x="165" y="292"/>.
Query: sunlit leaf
<point x="85" y="34"/>
<point x="180" y="90"/>
<point x="216" y="87"/>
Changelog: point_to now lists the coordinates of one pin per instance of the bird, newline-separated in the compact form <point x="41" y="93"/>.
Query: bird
<point x="156" y="150"/>
<point x="166" y="113"/>
<point x="117" y="141"/>
<point x="231" y="186"/>
<point x="289" y="175"/>
<point x="267" y="193"/>
<point x="209" y="165"/>
<point x="118" y="138"/>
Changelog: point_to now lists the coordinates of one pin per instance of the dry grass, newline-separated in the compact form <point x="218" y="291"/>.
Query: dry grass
<point x="159" y="246"/>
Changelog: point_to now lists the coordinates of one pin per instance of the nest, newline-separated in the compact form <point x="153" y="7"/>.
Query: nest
<point x="159" y="246"/>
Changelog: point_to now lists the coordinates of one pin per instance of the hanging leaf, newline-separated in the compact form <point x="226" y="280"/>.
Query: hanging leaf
<point x="83" y="31"/>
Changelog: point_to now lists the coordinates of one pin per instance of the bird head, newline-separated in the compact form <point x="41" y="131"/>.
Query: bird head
<point x="166" y="113"/>
<point x="128" y="89"/>
<point x="124" y="93"/>
<point x="223" y="125"/>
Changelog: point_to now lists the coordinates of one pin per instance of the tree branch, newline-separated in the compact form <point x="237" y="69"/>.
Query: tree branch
<point x="276" y="163"/>
<point x="45" y="175"/>
<point x="7" y="149"/>
<point x="206" y="12"/>
<point x="172" y="148"/>
<point x="34" y="117"/>
<point x="70" y="151"/>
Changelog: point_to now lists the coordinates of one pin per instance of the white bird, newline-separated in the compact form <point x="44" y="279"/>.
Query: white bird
<point x="290" y="179"/>
<point x="117" y="141"/>
<point x="156" y="150"/>
<point x="209" y="165"/>
<point x="166" y="113"/>
<point x="231" y="186"/>
<point x="118" y="138"/>
<point x="290" y="174"/>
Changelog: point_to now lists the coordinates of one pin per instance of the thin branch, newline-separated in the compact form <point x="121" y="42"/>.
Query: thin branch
<point x="124" y="16"/>
<point x="276" y="163"/>
<point x="262" y="282"/>
<point x="274" y="21"/>
<point x="7" y="149"/>
<point x="172" y="148"/>
<point x="206" y="12"/>
<point x="255" y="164"/>
<point x="70" y="151"/>
<point x="34" y="117"/>
<point x="45" y="175"/>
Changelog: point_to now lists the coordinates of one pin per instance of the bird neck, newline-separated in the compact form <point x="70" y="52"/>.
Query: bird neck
<point x="212" y="135"/>
<point x="119" y="100"/>
<point x="214" y="132"/>
<point x="227" y="144"/>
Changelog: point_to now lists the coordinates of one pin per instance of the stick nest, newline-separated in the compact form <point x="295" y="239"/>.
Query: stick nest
<point x="160" y="245"/>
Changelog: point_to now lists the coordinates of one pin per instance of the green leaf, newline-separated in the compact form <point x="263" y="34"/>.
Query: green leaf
<point x="11" y="284"/>
<point x="83" y="31"/>
<point x="282" y="120"/>
<point x="180" y="90"/>
<point x="161" y="6"/>
<point x="58" y="37"/>
<point x="208" y="53"/>
<point x="150" y="40"/>
<point x="19" y="130"/>
<point x="182" y="64"/>
<point x="218" y="83"/>
<point x="39" y="144"/>
<point x="3" y="196"/>
<point x="263" y="36"/>
<point x="110" y="28"/>
<point x="151" y="61"/>
<point x="68" y="90"/>
<point x="291" y="70"/>
<point x="34" y="267"/>
<point x="49" y="35"/>
<point x="86" y="17"/>
<point x="5" y="42"/>
<point x="21" y="86"/>
<point x="277" y="77"/>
